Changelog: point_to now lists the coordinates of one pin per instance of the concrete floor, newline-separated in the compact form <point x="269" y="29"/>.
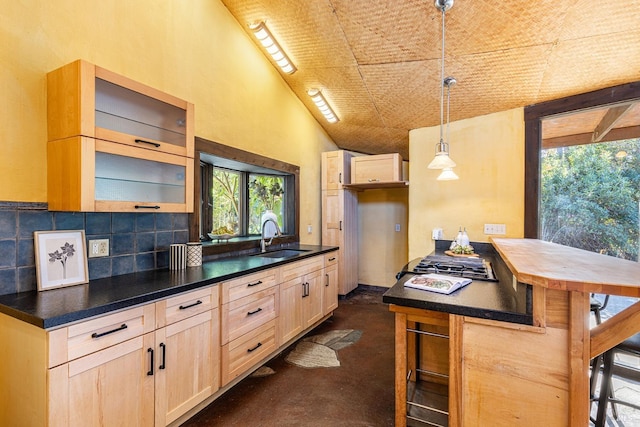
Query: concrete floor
<point x="358" y="393"/>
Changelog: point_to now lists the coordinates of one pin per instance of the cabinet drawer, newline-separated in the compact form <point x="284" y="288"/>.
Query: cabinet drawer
<point x="248" y="313"/>
<point x="241" y="354"/>
<point x="249" y="284"/>
<point x="102" y="332"/>
<point x="331" y="258"/>
<point x="185" y="305"/>
<point x="378" y="168"/>
<point x="300" y="268"/>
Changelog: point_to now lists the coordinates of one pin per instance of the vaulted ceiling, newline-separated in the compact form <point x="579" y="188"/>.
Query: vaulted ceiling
<point x="378" y="61"/>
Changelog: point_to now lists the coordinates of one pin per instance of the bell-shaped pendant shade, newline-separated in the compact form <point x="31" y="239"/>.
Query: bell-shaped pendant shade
<point x="442" y="159"/>
<point x="447" y="174"/>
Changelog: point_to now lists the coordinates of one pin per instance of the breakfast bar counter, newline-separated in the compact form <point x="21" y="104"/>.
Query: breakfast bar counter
<point x="511" y="368"/>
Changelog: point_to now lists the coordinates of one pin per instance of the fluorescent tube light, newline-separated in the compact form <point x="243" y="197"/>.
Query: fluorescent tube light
<point x="272" y="47"/>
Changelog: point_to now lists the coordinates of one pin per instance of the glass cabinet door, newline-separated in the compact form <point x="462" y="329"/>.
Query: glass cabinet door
<point x="128" y="112"/>
<point x="122" y="178"/>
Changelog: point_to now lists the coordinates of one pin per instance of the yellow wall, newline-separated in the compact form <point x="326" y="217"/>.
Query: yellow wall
<point x="191" y="49"/>
<point x="489" y="152"/>
<point x="382" y="251"/>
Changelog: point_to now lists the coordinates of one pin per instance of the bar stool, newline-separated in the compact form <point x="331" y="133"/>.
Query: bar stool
<point x="596" y="307"/>
<point x="630" y="346"/>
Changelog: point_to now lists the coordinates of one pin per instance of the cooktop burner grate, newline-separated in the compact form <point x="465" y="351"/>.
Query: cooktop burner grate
<point x="472" y="268"/>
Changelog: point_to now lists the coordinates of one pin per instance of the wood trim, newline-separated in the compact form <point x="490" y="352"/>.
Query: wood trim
<point x="579" y="359"/>
<point x="456" y="367"/>
<point x="232" y="153"/>
<point x="585" y="138"/>
<point x="401" y="369"/>
<point x="615" y="330"/>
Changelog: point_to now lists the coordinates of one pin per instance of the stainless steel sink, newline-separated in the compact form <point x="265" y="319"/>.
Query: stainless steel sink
<point x="282" y="253"/>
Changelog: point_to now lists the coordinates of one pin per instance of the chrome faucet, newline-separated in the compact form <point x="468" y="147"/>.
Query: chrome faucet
<point x="263" y="244"/>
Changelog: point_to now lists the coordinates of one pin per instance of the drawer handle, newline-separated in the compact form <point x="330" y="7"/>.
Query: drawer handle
<point x="249" y="313"/>
<point x="142" y="141"/>
<point x="146" y="207"/>
<point x="150" y="371"/>
<point x="259" y="282"/>
<point x="332" y="259"/>
<point x="373" y="180"/>
<point x="121" y="328"/>
<point x="184" y="307"/>
<point x="164" y="355"/>
<point x="249" y="350"/>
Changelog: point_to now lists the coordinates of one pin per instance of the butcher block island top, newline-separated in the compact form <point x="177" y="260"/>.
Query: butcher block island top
<point x="501" y="373"/>
<point x="554" y="266"/>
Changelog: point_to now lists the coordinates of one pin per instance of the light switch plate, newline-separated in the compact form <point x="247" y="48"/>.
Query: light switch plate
<point x="495" y="229"/>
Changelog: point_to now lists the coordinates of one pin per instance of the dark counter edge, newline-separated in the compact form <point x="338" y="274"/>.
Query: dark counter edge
<point x="22" y="305"/>
<point x="462" y="310"/>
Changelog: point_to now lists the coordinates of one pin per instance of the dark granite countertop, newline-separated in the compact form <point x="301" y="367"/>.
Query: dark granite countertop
<point x="56" y="307"/>
<point x="482" y="299"/>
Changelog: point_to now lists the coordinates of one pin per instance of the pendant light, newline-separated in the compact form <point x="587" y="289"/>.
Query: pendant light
<point x="442" y="159"/>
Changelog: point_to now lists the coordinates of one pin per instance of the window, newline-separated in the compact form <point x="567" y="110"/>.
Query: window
<point x="582" y="173"/>
<point x="590" y="197"/>
<point x="235" y="190"/>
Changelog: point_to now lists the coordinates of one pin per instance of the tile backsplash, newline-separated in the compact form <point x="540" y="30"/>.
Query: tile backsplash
<point x="137" y="241"/>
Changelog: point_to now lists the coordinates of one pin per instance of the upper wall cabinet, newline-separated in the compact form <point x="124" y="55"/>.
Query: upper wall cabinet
<point x="336" y="169"/>
<point x="116" y="145"/>
<point x="377" y="171"/>
<point x="86" y="100"/>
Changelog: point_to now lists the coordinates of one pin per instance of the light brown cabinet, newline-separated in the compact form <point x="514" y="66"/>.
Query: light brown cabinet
<point x="250" y="307"/>
<point x="188" y="347"/>
<point x="330" y="286"/>
<point x="336" y="169"/>
<point x="340" y="216"/>
<point x="116" y="144"/>
<point x="301" y="294"/>
<point x="378" y="169"/>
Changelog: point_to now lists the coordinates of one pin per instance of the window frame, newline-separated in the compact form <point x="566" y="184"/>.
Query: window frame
<point x="251" y="243"/>
<point x="533" y="117"/>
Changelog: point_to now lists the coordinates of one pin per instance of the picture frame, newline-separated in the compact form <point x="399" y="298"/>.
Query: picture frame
<point x="61" y="258"/>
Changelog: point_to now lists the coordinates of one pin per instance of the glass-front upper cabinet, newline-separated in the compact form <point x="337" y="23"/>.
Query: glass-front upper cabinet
<point x="86" y="100"/>
<point x="116" y="145"/>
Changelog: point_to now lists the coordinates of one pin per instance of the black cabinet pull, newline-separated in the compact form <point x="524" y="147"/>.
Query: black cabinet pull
<point x="184" y="307"/>
<point x="305" y="289"/>
<point x="340" y="225"/>
<point x="249" y="313"/>
<point x="259" y="282"/>
<point x="121" y="328"/>
<point x="327" y="283"/>
<point x="249" y="350"/>
<point x="332" y="259"/>
<point x="142" y="141"/>
<point x="146" y="207"/>
<point x="340" y="178"/>
<point x="164" y="355"/>
<point x="150" y="371"/>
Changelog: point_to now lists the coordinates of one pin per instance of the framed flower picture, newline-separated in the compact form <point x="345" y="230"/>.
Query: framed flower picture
<point x="61" y="258"/>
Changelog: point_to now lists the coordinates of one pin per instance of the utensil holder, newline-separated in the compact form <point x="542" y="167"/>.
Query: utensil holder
<point x="177" y="256"/>
<point x="194" y="254"/>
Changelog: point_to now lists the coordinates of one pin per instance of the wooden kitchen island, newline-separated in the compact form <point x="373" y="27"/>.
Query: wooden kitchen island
<point x="512" y="365"/>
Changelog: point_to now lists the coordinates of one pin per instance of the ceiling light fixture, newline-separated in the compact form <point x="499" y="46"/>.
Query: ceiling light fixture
<point x="442" y="159"/>
<point x="323" y="105"/>
<point x="270" y="44"/>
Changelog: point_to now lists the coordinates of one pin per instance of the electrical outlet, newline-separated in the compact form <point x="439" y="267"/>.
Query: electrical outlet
<point x="495" y="229"/>
<point x="309" y="229"/>
<point x="98" y="248"/>
<point x="397" y="227"/>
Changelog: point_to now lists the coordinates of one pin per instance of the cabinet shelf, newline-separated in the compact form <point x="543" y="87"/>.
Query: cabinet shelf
<point x="376" y="185"/>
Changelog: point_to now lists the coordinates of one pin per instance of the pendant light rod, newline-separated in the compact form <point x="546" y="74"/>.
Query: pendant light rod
<point x="443" y="5"/>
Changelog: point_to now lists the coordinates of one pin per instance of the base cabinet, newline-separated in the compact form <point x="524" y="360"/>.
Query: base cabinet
<point x="187" y="367"/>
<point x="108" y="388"/>
<point x="330" y="286"/>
